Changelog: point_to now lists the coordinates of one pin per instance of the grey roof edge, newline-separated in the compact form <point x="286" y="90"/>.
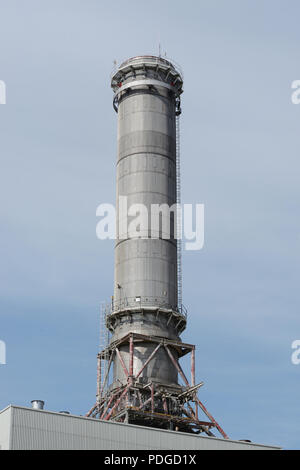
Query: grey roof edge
<point x="6" y="408"/>
<point x="241" y="442"/>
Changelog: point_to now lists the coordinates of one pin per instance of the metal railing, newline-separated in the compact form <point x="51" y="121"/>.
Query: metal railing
<point x="153" y="60"/>
<point x="103" y="343"/>
<point x="144" y="302"/>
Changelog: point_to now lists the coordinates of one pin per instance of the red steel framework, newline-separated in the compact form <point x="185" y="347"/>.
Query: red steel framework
<point x="152" y="404"/>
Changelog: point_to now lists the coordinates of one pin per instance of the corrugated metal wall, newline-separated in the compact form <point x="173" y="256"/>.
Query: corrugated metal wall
<point x="32" y="429"/>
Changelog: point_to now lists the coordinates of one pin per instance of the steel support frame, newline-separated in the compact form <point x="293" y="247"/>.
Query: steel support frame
<point x="115" y="404"/>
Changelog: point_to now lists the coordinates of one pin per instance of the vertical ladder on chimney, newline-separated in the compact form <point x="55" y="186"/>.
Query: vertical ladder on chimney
<point x="104" y="341"/>
<point x="179" y="215"/>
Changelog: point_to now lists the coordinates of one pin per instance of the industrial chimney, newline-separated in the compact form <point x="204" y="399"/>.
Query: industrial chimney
<point x="146" y="317"/>
<point x="147" y="99"/>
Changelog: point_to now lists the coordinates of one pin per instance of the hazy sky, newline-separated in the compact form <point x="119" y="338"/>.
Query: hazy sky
<point x="240" y="157"/>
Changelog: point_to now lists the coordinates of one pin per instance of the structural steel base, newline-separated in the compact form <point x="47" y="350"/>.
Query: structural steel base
<point x="153" y="404"/>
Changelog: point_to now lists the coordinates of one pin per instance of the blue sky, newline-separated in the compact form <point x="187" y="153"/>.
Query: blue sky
<point x="240" y="157"/>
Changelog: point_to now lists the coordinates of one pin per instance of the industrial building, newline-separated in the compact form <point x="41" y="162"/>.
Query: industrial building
<point x="140" y="380"/>
<point x="33" y="429"/>
<point x="144" y="399"/>
<point x="146" y="316"/>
